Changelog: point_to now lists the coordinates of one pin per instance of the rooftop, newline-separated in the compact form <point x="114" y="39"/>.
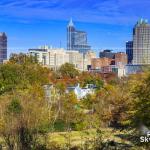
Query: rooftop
<point x="71" y="23"/>
<point x="142" y="22"/>
<point x="2" y="34"/>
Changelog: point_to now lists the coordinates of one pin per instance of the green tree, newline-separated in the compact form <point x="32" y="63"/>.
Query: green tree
<point x="68" y="70"/>
<point x="112" y="104"/>
<point x="141" y="103"/>
<point x="23" y="117"/>
<point x="16" y="76"/>
<point x="22" y="59"/>
<point x="91" y="78"/>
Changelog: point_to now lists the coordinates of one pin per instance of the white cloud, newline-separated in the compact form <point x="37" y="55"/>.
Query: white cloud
<point x="102" y="11"/>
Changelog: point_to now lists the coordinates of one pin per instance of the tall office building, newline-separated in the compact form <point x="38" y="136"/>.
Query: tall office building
<point x="141" y="43"/>
<point x="107" y="54"/>
<point x="3" y="47"/>
<point x="129" y="51"/>
<point x="76" y="40"/>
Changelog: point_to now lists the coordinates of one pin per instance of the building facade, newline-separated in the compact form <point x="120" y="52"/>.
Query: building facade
<point x="76" y="59"/>
<point x="55" y="57"/>
<point x="141" y="43"/>
<point x="120" y="59"/>
<point x="3" y="47"/>
<point x="133" y="69"/>
<point x="107" y="57"/>
<point x="111" y="64"/>
<point x="88" y="59"/>
<point x="76" y="40"/>
<point x="107" y="54"/>
<point x="98" y="63"/>
<point x="50" y="57"/>
<point x="129" y="51"/>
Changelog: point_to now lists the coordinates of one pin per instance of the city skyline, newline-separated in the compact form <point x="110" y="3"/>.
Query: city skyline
<point x="108" y="23"/>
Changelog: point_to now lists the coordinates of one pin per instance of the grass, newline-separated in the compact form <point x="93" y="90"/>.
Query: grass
<point x="79" y="137"/>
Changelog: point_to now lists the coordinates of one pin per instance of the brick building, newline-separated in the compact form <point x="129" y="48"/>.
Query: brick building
<point x="121" y="59"/>
<point x="98" y="63"/>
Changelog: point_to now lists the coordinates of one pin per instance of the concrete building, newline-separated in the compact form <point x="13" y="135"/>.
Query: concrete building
<point x="76" y="40"/>
<point x="81" y="61"/>
<point x="129" y="51"/>
<point x="88" y="59"/>
<point x="3" y="47"/>
<point x="54" y="58"/>
<point x="141" y="43"/>
<point x="50" y="57"/>
<point x="76" y="58"/>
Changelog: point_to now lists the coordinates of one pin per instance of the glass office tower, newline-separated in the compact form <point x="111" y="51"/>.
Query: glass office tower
<point x="76" y="40"/>
<point x="129" y="51"/>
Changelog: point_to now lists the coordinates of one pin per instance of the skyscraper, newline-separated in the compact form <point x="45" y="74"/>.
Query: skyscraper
<point x="141" y="43"/>
<point x="76" y="40"/>
<point x="129" y="51"/>
<point x="3" y="47"/>
<point x="107" y="54"/>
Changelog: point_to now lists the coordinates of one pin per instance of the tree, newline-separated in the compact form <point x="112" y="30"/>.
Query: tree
<point x="16" y="76"/>
<point x="23" y="117"/>
<point x="24" y="111"/>
<point x="113" y="103"/>
<point x="22" y="59"/>
<point x="89" y="78"/>
<point x="68" y="70"/>
<point x="141" y="105"/>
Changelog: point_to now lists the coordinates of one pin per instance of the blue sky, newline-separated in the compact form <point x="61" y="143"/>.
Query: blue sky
<point x="31" y="23"/>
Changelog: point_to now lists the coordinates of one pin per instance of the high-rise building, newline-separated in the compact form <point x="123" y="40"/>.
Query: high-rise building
<point x="3" y="47"/>
<point x="76" y="40"/>
<point x="107" y="54"/>
<point x="129" y="51"/>
<point x="141" y="43"/>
